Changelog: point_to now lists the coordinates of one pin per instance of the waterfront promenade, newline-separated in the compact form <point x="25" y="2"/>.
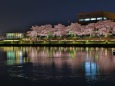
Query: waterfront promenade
<point x="105" y="41"/>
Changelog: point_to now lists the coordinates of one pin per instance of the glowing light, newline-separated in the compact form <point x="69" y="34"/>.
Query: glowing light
<point x="99" y="18"/>
<point x="81" y="19"/>
<point x="93" y="18"/>
<point x="87" y="19"/>
<point x="11" y="40"/>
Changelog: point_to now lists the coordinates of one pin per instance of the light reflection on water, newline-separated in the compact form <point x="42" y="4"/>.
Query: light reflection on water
<point x="45" y="63"/>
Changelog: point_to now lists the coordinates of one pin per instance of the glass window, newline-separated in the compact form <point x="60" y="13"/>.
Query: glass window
<point x="81" y="19"/>
<point x="87" y="19"/>
<point x="99" y="18"/>
<point x="104" y="18"/>
<point x="93" y="18"/>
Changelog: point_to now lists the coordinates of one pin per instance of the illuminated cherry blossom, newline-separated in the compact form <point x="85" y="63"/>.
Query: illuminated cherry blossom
<point x="104" y="28"/>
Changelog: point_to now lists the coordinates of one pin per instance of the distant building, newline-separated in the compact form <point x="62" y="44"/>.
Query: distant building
<point x="14" y="35"/>
<point x="92" y="17"/>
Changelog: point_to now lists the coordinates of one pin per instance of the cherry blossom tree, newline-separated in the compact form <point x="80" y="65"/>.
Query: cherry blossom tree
<point x="105" y="28"/>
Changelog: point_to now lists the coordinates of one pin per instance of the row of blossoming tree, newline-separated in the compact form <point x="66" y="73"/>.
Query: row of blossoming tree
<point x="101" y="28"/>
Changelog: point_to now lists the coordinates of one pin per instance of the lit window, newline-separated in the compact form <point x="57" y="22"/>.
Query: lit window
<point x="20" y="34"/>
<point x="99" y="18"/>
<point x="81" y="19"/>
<point x="87" y="19"/>
<point x="93" y="18"/>
<point x="104" y="18"/>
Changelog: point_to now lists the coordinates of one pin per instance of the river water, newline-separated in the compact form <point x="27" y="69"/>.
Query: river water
<point x="57" y="66"/>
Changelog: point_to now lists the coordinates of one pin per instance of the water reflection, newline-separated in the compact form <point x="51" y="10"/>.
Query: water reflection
<point x="40" y="63"/>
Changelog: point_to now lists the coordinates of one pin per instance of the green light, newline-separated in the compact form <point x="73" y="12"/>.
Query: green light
<point x="72" y="53"/>
<point x="11" y="57"/>
<point x="96" y="56"/>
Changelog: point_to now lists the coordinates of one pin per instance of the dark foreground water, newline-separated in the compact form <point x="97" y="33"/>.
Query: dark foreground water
<point x="57" y="66"/>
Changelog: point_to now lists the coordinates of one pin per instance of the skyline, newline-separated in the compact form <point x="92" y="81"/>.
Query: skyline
<point x="19" y="16"/>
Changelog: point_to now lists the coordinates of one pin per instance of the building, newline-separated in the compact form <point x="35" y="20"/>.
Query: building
<point x="14" y="35"/>
<point x="92" y="17"/>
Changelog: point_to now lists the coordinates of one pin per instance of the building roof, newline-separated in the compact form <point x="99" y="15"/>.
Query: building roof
<point x="98" y="14"/>
<point x="110" y="15"/>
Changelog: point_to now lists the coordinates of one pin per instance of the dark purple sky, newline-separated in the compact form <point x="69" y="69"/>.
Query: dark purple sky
<point x="20" y="15"/>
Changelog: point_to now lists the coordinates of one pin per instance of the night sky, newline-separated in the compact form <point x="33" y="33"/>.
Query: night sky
<point x="20" y="15"/>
